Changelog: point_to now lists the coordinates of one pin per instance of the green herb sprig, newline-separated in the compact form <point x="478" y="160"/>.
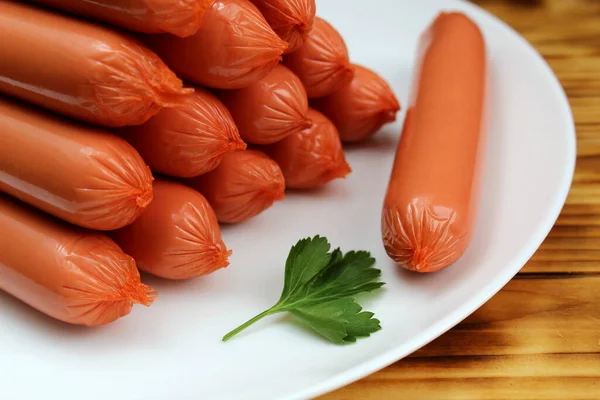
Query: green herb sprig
<point x="319" y="289"/>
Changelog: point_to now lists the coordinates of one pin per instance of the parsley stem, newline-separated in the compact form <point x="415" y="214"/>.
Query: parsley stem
<point x="249" y="322"/>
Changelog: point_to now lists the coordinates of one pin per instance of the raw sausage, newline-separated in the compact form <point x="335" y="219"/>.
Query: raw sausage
<point x="270" y="109"/>
<point x="177" y="237"/>
<point x="312" y="157"/>
<point x="322" y="62"/>
<point x="361" y="107"/>
<point x="73" y="275"/>
<point x="292" y="20"/>
<point x="78" y="173"/>
<point x="245" y="184"/>
<point x="81" y="70"/>
<point x="233" y="48"/>
<point x="429" y="210"/>
<point x="178" y="17"/>
<point x="188" y="140"/>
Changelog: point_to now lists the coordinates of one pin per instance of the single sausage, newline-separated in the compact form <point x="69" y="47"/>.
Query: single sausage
<point x="178" y="17"/>
<point x="233" y="48"/>
<point x="245" y="184"/>
<point x="270" y="109"/>
<point x="188" y="140"/>
<point x="292" y="20"/>
<point x="177" y="237"/>
<point x="322" y="62"/>
<point x="312" y="157"/>
<point x="81" y="70"/>
<point x="361" y="107"/>
<point x="430" y="206"/>
<point x="73" y="275"/>
<point x="78" y="173"/>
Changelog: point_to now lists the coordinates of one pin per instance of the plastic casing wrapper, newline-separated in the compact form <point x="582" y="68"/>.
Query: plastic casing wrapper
<point x="430" y="209"/>
<point x="245" y="184"/>
<point x="178" y="17"/>
<point x="361" y="107"/>
<point x="270" y="109"/>
<point x="188" y="140"/>
<point x="233" y="48"/>
<point x="312" y="157"/>
<point x="78" y="173"/>
<point x="68" y="273"/>
<point x="322" y="62"/>
<point x="292" y="20"/>
<point x="177" y="237"/>
<point x="80" y="69"/>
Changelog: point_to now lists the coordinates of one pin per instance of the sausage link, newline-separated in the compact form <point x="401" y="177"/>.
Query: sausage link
<point x="430" y="207"/>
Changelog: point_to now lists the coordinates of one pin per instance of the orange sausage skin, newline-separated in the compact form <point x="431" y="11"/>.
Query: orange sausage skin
<point x="322" y="62"/>
<point x="245" y="184"/>
<point x="270" y="109"/>
<point x="74" y="275"/>
<point x="312" y="157"/>
<point x="233" y="48"/>
<point x="78" y="173"/>
<point x="187" y="140"/>
<point x="179" y="17"/>
<point x="79" y="69"/>
<point x="360" y="107"/>
<point x="177" y="237"/>
<point x="292" y="20"/>
<point x="429" y="210"/>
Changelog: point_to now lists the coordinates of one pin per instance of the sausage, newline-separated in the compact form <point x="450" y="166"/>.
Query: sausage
<point x="360" y="108"/>
<point x="178" y="17"/>
<point x="429" y="210"/>
<point x="188" y="140"/>
<point x="322" y="62"/>
<point x="312" y="157"/>
<point x="81" y="70"/>
<point x="270" y="109"/>
<point x="78" y="173"/>
<point x="177" y="237"/>
<point x="76" y="276"/>
<point x="292" y="20"/>
<point x="245" y="184"/>
<point x="233" y="48"/>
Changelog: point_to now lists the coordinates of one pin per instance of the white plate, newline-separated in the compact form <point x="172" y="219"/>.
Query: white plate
<point x="172" y="350"/>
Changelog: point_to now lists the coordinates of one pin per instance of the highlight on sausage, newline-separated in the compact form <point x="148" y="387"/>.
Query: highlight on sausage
<point x="245" y="184"/>
<point x="81" y="174"/>
<point x="431" y="203"/>
<point x="312" y="157"/>
<point x="270" y="109"/>
<point x="233" y="48"/>
<point x="292" y="20"/>
<point x="361" y="107"/>
<point x="177" y="236"/>
<point x="74" y="275"/>
<point x="178" y="17"/>
<point x="322" y="62"/>
<point x="80" y="69"/>
<point x="188" y="140"/>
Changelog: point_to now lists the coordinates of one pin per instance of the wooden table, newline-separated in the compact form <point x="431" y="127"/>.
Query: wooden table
<point x="539" y="338"/>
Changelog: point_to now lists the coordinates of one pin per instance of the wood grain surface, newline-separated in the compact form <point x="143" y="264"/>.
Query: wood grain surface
<point x="539" y="338"/>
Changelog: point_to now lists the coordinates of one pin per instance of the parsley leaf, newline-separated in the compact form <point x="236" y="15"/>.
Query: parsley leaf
<point x="319" y="287"/>
<point x="339" y="320"/>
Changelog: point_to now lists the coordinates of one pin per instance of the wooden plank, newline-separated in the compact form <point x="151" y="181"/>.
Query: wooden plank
<point x="536" y="377"/>
<point x="588" y="170"/>
<point x="569" y="266"/>
<point x="540" y="315"/>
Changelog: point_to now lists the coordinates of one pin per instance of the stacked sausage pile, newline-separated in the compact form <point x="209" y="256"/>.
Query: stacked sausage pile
<point x="110" y="162"/>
